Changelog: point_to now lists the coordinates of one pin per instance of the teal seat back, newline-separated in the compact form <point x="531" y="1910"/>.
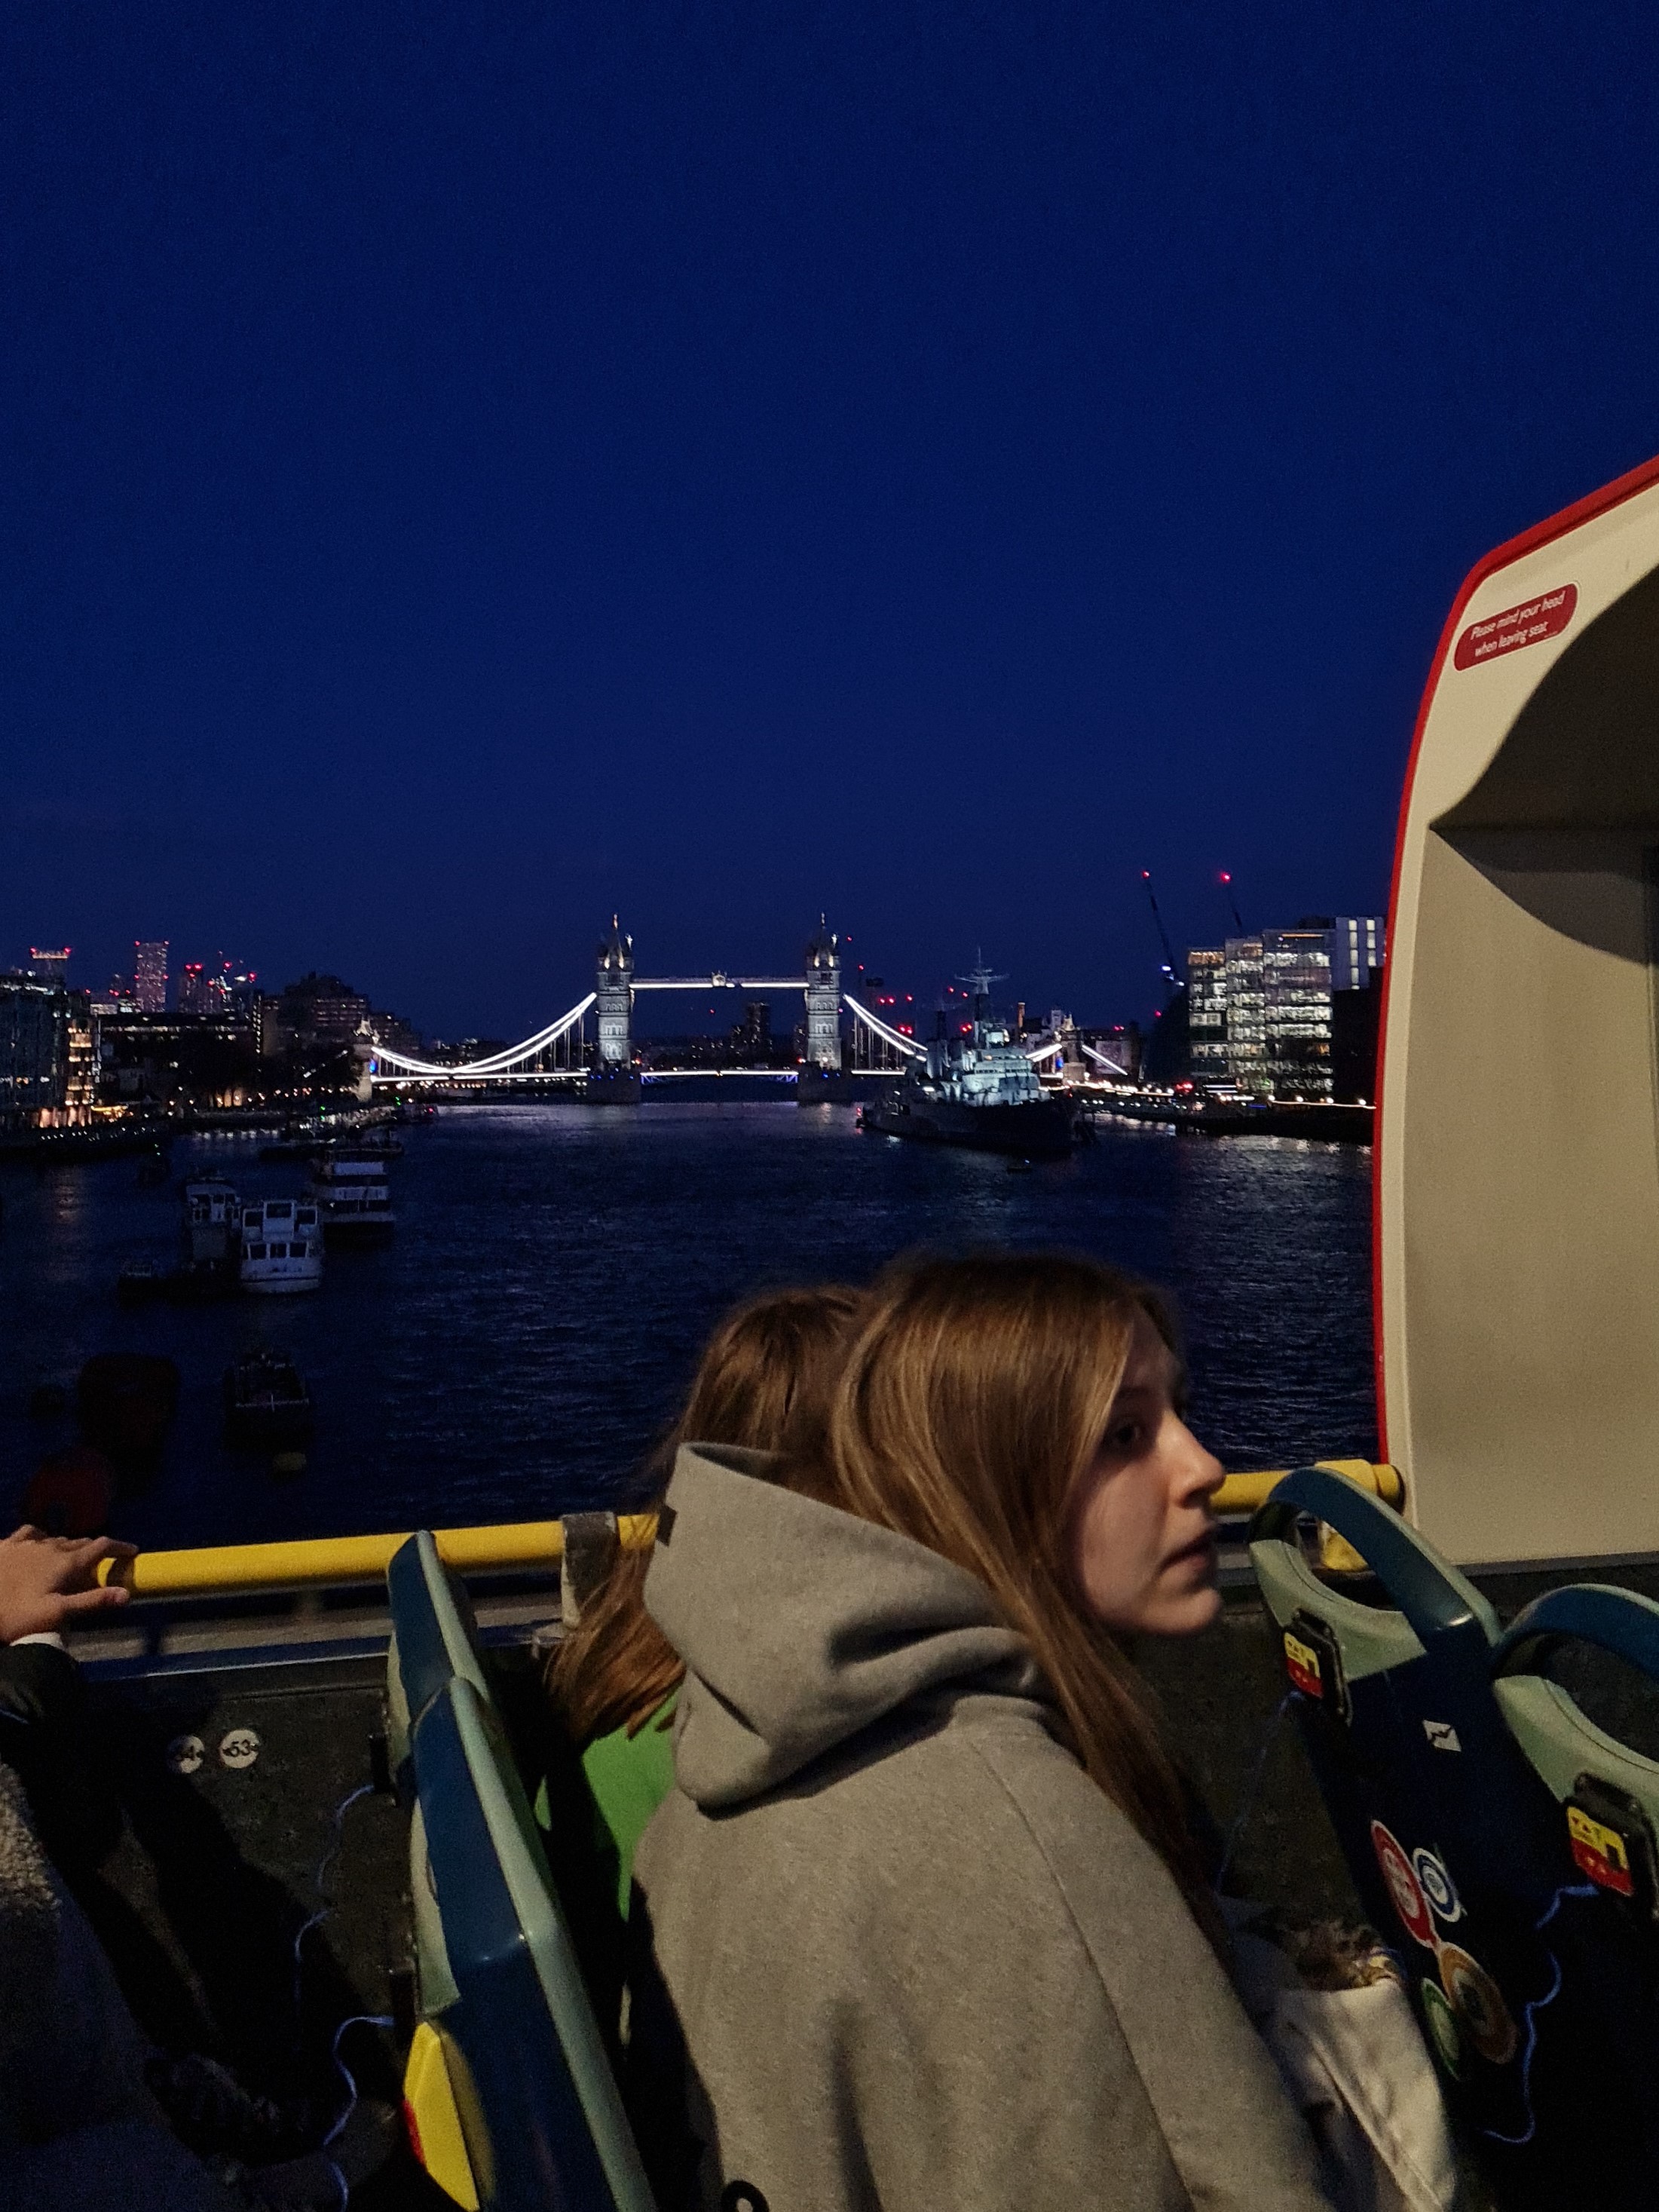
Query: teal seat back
<point x="538" y="2105"/>
<point x="433" y="1640"/>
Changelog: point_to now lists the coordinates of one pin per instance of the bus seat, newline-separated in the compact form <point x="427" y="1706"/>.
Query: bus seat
<point x="1455" y="1842"/>
<point x="538" y="2107"/>
<point x="433" y="1640"/>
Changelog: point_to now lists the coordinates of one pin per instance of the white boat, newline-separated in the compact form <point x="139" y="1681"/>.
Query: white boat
<point x="212" y="1221"/>
<point x="282" y="1247"/>
<point x="350" y="1191"/>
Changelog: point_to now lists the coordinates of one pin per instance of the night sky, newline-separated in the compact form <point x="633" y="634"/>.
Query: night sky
<point x="469" y="468"/>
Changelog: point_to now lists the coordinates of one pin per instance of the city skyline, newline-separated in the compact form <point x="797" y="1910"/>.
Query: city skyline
<point x="208" y="986"/>
<point x="922" y="466"/>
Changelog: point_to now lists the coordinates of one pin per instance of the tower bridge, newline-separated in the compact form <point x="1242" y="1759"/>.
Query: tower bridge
<point x="560" y="1053"/>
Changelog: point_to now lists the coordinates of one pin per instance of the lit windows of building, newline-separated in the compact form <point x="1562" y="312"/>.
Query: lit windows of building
<point x="1247" y="1014"/>
<point x="1296" y="1002"/>
<point x="1207" y="1013"/>
<point x="193" y="988"/>
<point x="149" y="974"/>
<point x="34" y="1052"/>
<point x="81" y="1086"/>
<point x="49" y="967"/>
<point x="1358" y="944"/>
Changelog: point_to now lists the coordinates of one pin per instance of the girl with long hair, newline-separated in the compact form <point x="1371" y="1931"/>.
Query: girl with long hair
<point x="925" y="1923"/>
<point x="613" y="1677"/>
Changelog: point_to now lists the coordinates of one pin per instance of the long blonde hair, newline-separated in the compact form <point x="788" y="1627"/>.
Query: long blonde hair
<point x="968" y="1407"/>
<point x="762" y="1381"/>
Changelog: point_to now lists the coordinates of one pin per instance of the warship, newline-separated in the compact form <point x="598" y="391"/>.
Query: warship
<point x="979" y="1089"/>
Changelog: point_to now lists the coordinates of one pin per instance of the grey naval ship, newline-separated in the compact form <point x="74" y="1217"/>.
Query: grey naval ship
<point x="979" y="1089"/>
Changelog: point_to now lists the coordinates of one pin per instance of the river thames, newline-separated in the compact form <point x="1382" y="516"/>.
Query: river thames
<point x="511" y="1354"/>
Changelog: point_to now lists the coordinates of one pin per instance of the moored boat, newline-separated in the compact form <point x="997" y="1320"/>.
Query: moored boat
<point x="211" y="1226"/>
<point x="141" y="1282"/>
<point x="350" y="1192"/>
<point x="281" y="1247"/>
<point x="267" y="1404"/>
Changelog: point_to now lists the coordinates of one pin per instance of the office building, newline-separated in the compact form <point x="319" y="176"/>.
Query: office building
<point x="34" y="1051"/>
<point x="48" y="967"/>
<point x="1207" y="1013"/>
<point x="1296" y="1008"/>
<point x="319" y="1014"/>
<point x="232" y="990"/>
<point x="81" y="1088"/>
<point x="1259" y="1008"/>
<point x="1357" y="949"/>
<point x="193" y="998"/>
<point x="396" y="1033"/>
<point x="149" y="974"/>
<point x="751" y="1038"/>
<point x="1247" y="1013"/>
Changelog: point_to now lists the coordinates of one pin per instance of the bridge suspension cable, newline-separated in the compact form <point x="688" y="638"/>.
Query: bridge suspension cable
<point x="497" y="1063"/>
<point x="1116" y="1066"/>
<point x="890" y="1035"/>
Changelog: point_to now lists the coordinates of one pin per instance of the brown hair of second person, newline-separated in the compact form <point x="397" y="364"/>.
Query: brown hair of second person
<point x="763" y="1379"/>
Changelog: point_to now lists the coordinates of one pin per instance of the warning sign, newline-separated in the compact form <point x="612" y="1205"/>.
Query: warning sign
<point x="1601" y="1853"/>
<point x="1530" y="624"/>
<point x="1301" y="1665"/>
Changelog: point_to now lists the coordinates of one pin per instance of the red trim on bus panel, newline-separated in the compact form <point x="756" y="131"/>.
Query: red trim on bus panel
<point x="1502" y="556"/>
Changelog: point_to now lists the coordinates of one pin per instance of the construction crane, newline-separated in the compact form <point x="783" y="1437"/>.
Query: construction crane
<point x="1163" y="934"/>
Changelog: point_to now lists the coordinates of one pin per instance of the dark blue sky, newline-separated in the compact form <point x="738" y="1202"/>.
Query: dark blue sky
<point x="467" y="469"/>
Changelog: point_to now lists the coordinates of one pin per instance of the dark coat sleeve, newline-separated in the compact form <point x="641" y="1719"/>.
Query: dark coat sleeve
<point x="40" y="1691"/>
<point x="45" y="1739"/>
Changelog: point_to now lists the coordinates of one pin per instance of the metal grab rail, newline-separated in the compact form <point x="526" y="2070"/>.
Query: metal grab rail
<point x="317" y="1562"/>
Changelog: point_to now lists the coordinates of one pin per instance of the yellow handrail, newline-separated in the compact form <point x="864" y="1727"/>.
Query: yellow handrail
<point x="319" y="1561"/>
<point x="1243" y="1493"/>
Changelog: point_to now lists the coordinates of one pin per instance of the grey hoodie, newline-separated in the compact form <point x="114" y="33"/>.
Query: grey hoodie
<point x="903" y="1952"/>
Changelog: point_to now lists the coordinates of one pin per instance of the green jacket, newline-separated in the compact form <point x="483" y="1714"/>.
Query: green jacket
<point x="629" y="1777"/>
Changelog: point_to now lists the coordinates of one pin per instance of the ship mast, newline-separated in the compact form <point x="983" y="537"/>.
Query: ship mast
<point x="980" y="979"/>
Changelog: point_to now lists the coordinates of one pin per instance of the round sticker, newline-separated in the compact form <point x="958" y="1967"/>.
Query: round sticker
<point x="1441" y="2022"/>
<point x="238" y="1747"/>
<point x="1436" y="1886"/>
<point x="1407" y="1899"/>
<point x="186" y="1753"/>
<point x="1480" y="2004"/>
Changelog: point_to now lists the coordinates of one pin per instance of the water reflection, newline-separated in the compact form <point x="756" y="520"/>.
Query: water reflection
<point x="511" y="1352"/>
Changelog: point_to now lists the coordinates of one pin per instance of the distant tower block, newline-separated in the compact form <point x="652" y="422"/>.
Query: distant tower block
<point x="614" y="989"/>
<point x="823" y="1002"/>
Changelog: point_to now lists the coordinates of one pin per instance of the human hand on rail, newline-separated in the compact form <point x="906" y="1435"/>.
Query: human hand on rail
<point x="46" y="1581"/>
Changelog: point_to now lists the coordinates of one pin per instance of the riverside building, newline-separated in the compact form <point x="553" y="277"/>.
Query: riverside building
<point x="1262" y="1008"/>
<point x="34" y="1051"/>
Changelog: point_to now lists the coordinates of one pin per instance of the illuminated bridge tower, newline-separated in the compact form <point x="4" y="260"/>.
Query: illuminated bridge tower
<point x="613" y="1080"/>
<point x="823" y="1064"/>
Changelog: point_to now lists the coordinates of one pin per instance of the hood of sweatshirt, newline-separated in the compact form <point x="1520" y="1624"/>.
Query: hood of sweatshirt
<point x="802" y="1626"/>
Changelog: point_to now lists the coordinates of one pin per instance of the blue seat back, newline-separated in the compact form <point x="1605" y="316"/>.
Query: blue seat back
<point x="1457" y="1846"/>
<point x="433" y="1640"/>
<point x="539" y="2109"/>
